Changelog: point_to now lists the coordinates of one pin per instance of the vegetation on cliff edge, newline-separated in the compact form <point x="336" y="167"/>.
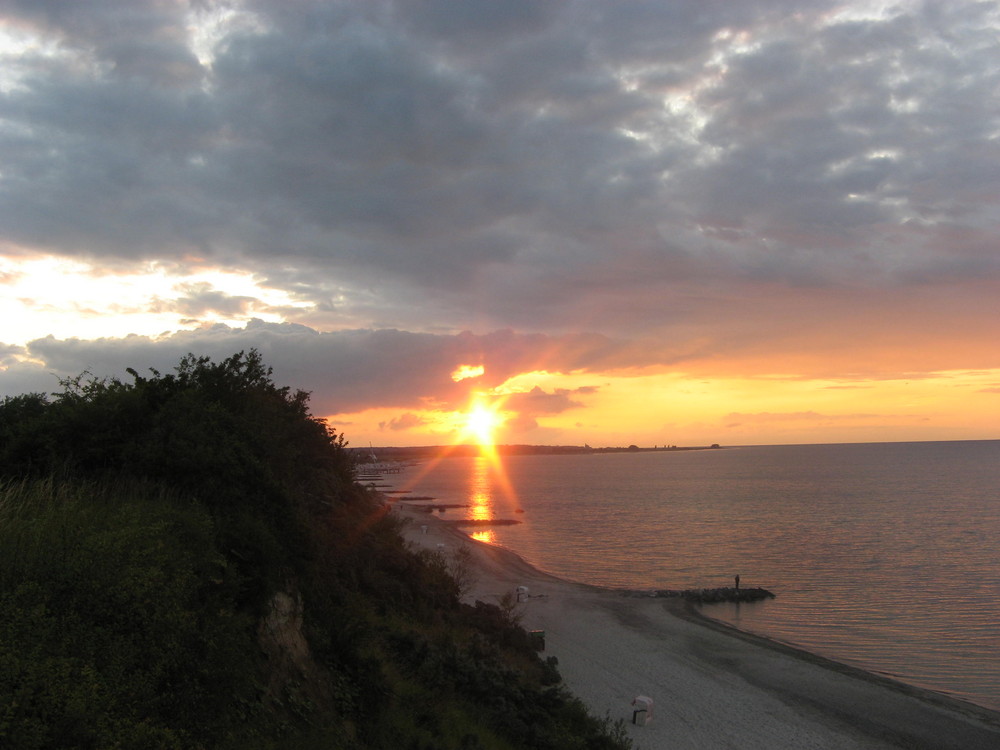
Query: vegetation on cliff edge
<point x="187" y="562"/>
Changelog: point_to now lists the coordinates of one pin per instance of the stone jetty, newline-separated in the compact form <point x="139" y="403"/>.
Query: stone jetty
<point x="707" y="596"/>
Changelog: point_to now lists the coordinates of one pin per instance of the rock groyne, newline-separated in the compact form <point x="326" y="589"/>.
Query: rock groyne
<point x="707" y="596"/>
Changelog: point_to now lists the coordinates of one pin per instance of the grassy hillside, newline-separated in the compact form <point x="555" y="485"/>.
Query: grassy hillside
<point x="186" y="562"/>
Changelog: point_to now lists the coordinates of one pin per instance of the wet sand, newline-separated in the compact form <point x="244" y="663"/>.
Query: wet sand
<point x="712" y="686"/>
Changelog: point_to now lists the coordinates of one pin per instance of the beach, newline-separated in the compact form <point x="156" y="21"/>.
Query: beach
<point x="711" y="686"/>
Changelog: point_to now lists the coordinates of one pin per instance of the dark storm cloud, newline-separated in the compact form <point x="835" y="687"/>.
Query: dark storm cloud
<point x="565" y="165"/>
<point x="347" y="371"/>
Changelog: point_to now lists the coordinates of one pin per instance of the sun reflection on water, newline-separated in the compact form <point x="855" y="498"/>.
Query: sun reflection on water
<point x="490" y="493"/>
<point x="481" y="498"/>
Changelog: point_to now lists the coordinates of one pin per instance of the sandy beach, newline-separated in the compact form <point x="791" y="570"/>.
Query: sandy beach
<point x="711" y="686"/>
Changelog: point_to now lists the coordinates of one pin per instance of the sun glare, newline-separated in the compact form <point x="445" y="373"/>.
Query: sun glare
<point x="480" y="422"/>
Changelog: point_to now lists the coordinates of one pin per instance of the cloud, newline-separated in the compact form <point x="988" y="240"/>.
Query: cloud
<point x="537" y="402"/>
<point x="521" y="424"/>
<point x="146" y="42"/>
<point x="741" y="419"/>
<point x="346" y="371"/>
<point x="406" y="421"/>
<point x="199" y="299"/>
<point x="711" y="181"/>
<point x="8" y="352"/>
<point x="18" y="377"/>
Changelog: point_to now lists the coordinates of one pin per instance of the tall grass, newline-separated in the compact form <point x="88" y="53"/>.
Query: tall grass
<point x="117" y="622"/>
<point x="45" y="522"/>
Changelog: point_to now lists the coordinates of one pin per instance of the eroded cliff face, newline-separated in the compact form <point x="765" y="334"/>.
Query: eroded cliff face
<point x="292" y="671"/>
<point x="280" y="630"/>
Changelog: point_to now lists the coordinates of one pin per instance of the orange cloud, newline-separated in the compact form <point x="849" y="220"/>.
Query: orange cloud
<point x="464" y="372"/>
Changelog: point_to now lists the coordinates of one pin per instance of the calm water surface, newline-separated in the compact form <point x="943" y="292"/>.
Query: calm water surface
<point x="885" y="556"/>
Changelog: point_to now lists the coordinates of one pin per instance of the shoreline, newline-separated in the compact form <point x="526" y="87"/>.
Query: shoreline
<point x="690" y="611"/>
<point x="713" y="685"/>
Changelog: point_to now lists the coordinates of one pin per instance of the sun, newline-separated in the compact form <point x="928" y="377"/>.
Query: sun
<point x="480" y="422"/>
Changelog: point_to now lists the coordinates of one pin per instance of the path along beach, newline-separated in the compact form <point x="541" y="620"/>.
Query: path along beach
<point x="712" y="686"/>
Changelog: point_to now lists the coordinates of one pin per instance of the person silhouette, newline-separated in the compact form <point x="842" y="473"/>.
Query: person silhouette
<point x="737" y="582"/>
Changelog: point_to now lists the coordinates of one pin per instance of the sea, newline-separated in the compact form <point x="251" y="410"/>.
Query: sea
<point x="883" y="556"/>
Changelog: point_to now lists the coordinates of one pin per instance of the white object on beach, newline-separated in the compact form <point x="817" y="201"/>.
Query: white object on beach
<point x="642" y="710"/>
<point x="423" y="529"/>
<point x="522" y="593"/>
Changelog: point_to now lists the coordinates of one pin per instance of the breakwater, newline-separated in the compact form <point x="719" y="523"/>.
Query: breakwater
<point x="707" y="596"/>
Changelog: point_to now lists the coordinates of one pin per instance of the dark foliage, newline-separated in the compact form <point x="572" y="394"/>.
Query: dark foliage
<point x="222" y="431"/>
<point x="118" y="621"/>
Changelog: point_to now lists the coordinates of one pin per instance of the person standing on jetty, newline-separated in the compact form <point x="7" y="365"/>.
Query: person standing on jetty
<point x="737" y="583"/>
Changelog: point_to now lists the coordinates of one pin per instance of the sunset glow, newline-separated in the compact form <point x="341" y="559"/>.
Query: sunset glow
<point x="766" y="228"/>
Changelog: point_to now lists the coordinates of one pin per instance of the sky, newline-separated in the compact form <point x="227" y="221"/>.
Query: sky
<point x="603" y="222"/>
